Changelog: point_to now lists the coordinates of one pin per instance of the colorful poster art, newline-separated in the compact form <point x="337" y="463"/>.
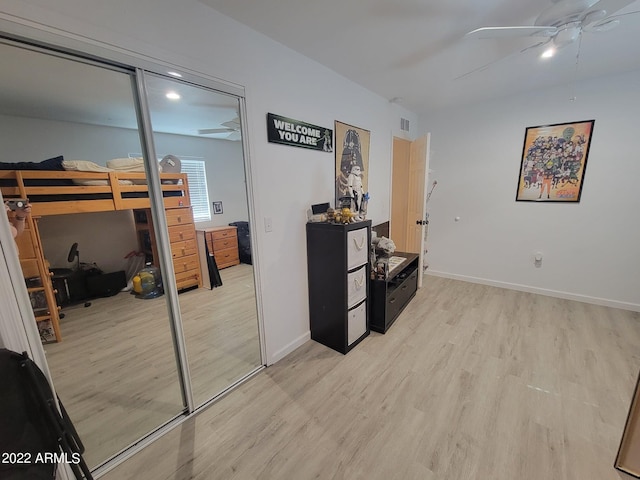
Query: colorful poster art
<point x="554" y="160"/>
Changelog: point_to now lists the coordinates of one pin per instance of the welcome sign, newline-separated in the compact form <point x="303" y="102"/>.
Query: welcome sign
<point x="295" y="133"/>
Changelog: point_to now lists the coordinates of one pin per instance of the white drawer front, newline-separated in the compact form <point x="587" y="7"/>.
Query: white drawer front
<point x="357" y="248"/>
<point x="357" y="323"/>
<point x="356" y="286"/>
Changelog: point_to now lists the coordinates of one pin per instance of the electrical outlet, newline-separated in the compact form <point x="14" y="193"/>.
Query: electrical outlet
<point x="268" y="224"/>
<point x="537" y="260"/>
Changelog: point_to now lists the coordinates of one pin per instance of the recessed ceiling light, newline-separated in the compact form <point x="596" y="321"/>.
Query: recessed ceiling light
<point x="173" y="96"/>
<point x="175" y="74"/>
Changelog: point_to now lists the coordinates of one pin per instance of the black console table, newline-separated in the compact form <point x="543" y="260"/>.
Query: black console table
<point x="390" y="296"/>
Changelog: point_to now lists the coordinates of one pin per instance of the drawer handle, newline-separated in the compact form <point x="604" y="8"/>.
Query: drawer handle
<point x="360" y="246"/>
<point x="404" y="287"/>
<point x="359" y="283"/>
<point x="392" y="300"/>
<point x="180" y="219"/>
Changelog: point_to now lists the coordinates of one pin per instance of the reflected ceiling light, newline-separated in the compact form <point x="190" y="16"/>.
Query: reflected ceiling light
<point x="175" y="74"/>
<point x="173" y="96"/>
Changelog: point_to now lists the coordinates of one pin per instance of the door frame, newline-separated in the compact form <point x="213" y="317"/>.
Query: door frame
<point x="419" y="185"/>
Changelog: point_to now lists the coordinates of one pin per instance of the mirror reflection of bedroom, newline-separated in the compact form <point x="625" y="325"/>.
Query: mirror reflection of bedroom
<point x="114" y="321"/>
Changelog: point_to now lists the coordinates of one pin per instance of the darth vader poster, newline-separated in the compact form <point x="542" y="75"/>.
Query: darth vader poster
<point x="352" y="161"/>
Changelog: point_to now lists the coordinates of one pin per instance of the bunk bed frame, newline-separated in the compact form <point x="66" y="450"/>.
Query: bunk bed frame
<point x="117" y="190"/>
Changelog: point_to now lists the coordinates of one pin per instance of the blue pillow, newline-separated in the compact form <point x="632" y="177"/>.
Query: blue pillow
<point x="50" y="164"/>
<point x="54" y="163"/>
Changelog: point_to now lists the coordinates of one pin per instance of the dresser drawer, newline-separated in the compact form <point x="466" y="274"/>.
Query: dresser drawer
<point x="223" y="233"/>
<point x="357" y="248"/>
<point x="184" y="248"/>
<point x="227" y="257"/>
<point x="398" y="297"/>
<point x="224" y="243"/>
<point x="187" y="279"/>
<point x="356" y="323"/>
<point x="356" y="286"/>
<point x="180" y="233"/>
<point x="30" y="267"/>
<point x="184" y="264"/>
<point x="25" y="245"/>
<point x="178" y="216"/>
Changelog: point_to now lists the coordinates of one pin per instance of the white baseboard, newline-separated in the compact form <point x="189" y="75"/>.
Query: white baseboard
<point x="287" y="349"/>
<point x="541" y="291"/>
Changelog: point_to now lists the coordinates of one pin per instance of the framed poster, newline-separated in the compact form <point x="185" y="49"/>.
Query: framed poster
<point x="352" y="159"/>
<point x="554" y="159"/>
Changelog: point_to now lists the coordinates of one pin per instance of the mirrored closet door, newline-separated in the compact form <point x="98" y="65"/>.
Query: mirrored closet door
<point x="141" y="225"/>
<point x="113" y="361"/>
<point x="197" y="130"/>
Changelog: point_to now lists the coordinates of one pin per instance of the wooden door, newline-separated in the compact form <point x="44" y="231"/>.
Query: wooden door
<point x="408" y="196"/>
<point x="399" y="188"/>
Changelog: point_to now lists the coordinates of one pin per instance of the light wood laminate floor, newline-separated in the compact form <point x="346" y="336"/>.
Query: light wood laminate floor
<point x="115" y="370"/>
<point x="471" y="382"/>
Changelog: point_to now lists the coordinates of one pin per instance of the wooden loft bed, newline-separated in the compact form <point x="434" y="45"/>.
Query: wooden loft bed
<point x="64" y="192"/>
<point x="55" y="192"/>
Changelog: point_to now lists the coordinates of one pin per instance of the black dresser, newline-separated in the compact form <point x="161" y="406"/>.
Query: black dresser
<point x="389" y="297"/>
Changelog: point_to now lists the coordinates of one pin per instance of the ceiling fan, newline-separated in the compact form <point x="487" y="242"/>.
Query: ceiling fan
<point x="232" y="127"/>
<point x="560" y="24"/>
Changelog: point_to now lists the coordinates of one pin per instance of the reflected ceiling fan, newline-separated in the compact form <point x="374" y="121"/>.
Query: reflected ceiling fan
<point x="232" y="127"/>
<point x="559" y="25"/>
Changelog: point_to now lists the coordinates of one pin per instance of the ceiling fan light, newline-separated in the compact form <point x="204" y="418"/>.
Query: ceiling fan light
<point x="567" y="34"/>
<point x="548" y="53"/>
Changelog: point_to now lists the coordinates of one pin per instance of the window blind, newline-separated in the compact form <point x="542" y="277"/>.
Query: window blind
<point x="197" y="176"/>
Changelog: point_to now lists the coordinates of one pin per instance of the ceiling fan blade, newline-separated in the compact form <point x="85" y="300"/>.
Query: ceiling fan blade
<point x="510" y="32"/>
<point x="603" y="9"/>
<point x="608" y="23"/>
<point x="233" y="124"/>
<point x="208" y="131"/>
<point x="502" y="59"/>
<point x="235" y="136"/>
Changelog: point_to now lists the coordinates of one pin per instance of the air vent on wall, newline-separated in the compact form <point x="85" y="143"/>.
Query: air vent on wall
<point x="404" y="124"/>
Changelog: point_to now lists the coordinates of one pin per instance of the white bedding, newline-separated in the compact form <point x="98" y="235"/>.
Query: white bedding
<point x="135" y="164"/>
<point x="88" y="166"/>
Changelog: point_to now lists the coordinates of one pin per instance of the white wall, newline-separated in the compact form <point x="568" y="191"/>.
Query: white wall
<point x="286" y="180"/>
<point x="591" y="249"/>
